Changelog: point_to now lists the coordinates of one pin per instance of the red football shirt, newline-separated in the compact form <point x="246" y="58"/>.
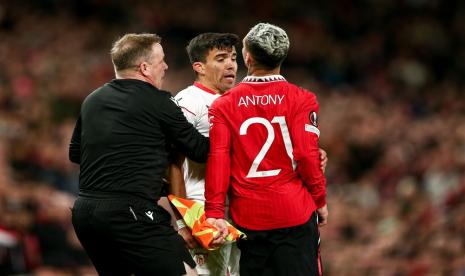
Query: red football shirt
<point x="264" y="150"/>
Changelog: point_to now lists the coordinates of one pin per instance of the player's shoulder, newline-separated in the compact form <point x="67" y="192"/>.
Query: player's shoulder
<point x="221" y="103"/>
<point x="186" y="93"/>
<point x="190" y="96"/>
<point x="302" y="93"/>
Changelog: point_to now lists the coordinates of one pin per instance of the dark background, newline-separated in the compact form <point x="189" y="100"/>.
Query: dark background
<point x="389" y="76"/>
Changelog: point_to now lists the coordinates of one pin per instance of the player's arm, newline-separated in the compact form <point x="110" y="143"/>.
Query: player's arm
<point x="177" y="187"/>
<point x="323" y="159"/>
<point x="305" y="134"/>
<point x="75" y="144"/>
<point x="218" y="171"/>
<point x="176" y="175"/>
<point x="175" y="170"/>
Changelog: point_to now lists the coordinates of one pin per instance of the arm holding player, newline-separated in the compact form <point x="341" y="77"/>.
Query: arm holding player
<point x="310" y="159"/>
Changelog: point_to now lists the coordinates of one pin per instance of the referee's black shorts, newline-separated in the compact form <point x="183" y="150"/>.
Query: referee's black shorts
<point x="292" y="251"/>
<point x="125" y="236"/>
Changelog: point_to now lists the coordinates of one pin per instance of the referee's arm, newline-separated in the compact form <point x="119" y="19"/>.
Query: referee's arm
<point x="183" y="134"/>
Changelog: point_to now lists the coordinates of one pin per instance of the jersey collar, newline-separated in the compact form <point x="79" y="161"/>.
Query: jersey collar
<point x="204" y="88"/>
<point x="263" y="79"/>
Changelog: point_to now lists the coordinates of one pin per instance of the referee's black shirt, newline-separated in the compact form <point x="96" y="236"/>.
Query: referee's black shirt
<point x="121" y="138"/>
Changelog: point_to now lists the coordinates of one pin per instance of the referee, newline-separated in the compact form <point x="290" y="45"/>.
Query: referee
<point x="120" y="141"/>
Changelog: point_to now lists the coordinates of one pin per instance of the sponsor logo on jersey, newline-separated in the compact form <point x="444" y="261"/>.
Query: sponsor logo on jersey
<point x="149" y="214"/>
<point x="174" y="100"/>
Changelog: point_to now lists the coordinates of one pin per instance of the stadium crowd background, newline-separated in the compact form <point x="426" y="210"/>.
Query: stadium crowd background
<point x="389" y="76"/>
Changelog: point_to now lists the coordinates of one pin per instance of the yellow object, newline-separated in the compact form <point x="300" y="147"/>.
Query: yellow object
<point x="193" y="214"/>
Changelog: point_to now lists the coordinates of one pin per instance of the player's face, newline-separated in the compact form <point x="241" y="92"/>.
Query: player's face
<point x="221" y="68"/>
<point x="157" y="66"/>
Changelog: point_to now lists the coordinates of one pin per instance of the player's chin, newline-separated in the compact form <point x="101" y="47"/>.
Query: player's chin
<point x="225" y="88"/>
<point x="229" y="81"/>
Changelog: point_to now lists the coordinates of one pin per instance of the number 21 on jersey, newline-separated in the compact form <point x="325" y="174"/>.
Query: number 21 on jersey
<point x="281" y="120"/>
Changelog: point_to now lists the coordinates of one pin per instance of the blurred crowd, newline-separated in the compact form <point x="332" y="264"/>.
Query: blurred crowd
<point x="389" y="76"/>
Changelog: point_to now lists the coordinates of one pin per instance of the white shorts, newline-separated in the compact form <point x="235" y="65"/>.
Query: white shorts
<point x="217" y="262"/>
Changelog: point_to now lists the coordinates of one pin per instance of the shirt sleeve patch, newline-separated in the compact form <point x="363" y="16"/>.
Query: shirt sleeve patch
<point x="313" y="129"/>
<point x="313" y="118"/>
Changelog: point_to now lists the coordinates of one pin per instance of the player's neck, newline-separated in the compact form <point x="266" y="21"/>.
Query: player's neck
<point x="259" y="72"/>
<point x="209" y="86"/>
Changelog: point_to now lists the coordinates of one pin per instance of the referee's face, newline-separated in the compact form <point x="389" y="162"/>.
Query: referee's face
<point x="156" y="66"/>
<point x="220" y="69"/>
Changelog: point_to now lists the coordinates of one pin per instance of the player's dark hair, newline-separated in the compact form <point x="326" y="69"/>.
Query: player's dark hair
<point x="199" y="46"/>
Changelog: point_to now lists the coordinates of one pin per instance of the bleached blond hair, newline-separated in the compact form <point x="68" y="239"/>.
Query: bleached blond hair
<point x="268" y="44"/>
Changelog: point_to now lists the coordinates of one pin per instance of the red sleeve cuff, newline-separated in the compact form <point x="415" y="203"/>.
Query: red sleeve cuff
<point x="214" y="214"/>
<point x="320" y="202"/>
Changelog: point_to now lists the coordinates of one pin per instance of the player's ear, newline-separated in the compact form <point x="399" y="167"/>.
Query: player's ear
<point x="198" y="67"/>
<point x="248" y="59"/>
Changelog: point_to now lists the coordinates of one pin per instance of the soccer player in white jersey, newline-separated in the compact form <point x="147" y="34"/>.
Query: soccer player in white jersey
<point x="213" y="59"/>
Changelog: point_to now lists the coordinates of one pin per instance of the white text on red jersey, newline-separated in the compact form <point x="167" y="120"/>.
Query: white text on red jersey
<point x="260" y="100"/>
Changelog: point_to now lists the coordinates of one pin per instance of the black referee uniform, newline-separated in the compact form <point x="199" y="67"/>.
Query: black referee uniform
<point x="120" y="141"/>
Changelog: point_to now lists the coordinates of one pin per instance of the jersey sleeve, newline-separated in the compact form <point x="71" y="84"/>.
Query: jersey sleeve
<point x="183" y="134"/>
<point x="305" y="133"/>
<point x="218" y="164"/>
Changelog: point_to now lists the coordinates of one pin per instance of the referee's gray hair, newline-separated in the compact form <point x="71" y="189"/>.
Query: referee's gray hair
<point x="268" y="44"/>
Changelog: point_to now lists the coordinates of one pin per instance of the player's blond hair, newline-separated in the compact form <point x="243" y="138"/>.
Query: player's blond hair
<point x="268" y="44"/>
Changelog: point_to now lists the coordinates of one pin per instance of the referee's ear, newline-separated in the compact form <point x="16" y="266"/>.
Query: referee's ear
<point x="199" y="68"/>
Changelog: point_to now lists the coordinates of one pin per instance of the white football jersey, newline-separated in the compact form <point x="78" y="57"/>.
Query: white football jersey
<point x="194" y="101"/>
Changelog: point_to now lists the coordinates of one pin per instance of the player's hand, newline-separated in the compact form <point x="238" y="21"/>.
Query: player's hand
<point x="323" y="159"/>
<point x="219" y="239"/>
<point x="186" y="234"/>
<point x="322" y="215"/>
